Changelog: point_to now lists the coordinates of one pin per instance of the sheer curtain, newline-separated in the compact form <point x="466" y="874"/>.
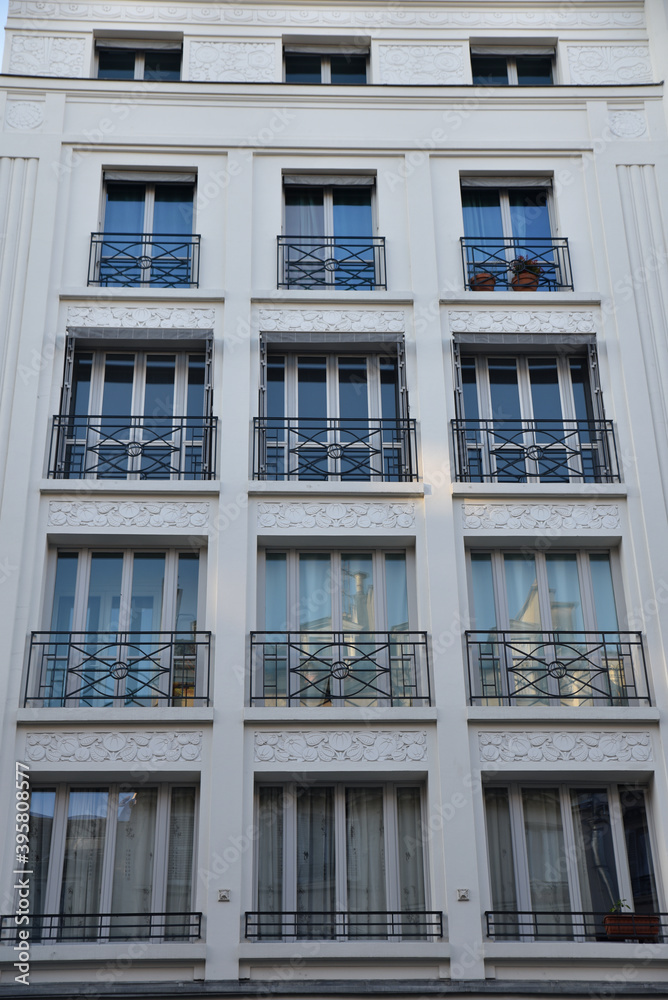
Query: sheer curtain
<point x="546" y="857"/>
<point x="42" y="803"/>
<point x="180" y="858"/>
<point x="270" y="862"/>
<point x="82" y="865"/>
<point x="411" y="858"/>
<point x="316" y="875"/>
<point x="365" y="860"/>
<point x="501" y="861"/>
<point x="132" y="891"/>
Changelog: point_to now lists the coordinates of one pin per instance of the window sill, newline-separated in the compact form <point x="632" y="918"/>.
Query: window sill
<point x="88" y="489"/>
<point x="595" y="491"/>
<point x="366" y="951"/>
<point x="111" y="295"/>
<point x="572" y="952"/>
<point x="517" y="298"/>
<point x="136" y="951"/>
<point x="350" y="715"/>
<point x="77" y="716"/>
<point x="553" y="713"/>
<point x="263" y="488"/>
<point x="285" y="296"/>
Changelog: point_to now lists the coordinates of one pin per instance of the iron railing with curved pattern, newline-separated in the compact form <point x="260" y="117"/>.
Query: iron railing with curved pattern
<point x="340" y="262"/>
<point x="492" y="263"/>
<point x="125" y="260"/>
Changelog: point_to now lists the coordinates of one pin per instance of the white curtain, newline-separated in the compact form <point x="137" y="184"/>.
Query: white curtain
<point x="365" y="854"/>
<point x="82" y="865"/>
<point x="316" y="885"/>
<point x="411" y="857"/>
<point x="180" y="856"/>
<point x="546" y="858"/>
<point x="132" y="890"/>
<point x="270" y="861"/>
<point x="501" y="863"/>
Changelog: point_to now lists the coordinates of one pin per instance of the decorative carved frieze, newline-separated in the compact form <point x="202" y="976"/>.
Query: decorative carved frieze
<point x="151" y="317"/>
<point x="627" y="124"/>
<point x="537" y="747"/>
<point x="332" y="320"/>
<point x="24" y="114"/>
<point x="541" y="516"/>
<point x="253" y="62"/>
<point x="325" y="746"/>
<point x="521" y="321"/>
<point x="44" y="55"/>
<point x="421" y="64"/>
<point x="335" y="515"/>
<point x="594" y="65"/>
<point x="127" y="514"/>
<point x="146" y="747"/>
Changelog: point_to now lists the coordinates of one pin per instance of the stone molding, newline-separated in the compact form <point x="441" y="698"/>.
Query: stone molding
<point x="594" y="65"/>
<point x="44" y="55"/>
<point x="539" y="516"/>
<point x="332" y="320"/>
<point x="152" y="317"/>
<point x="521" y="321"/>
<point x="537" y="747"/>
<point x="627" y="124"/>
<point x="430" y="64"/>
<point x="24" y="114"/>
<point x="127" y="514"/>
<point x="343" y="745"/>
<point x="160" y="747"/>
<point x="252" y="62"/>
<point x="335" y="515"/>
<point x="551" y="17"/>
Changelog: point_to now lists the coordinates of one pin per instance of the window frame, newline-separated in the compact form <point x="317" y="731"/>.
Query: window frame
<point x="325" y="54"/>
<point x="328" y="205"/>
<point x="504" y="203"/>
<point x="511" y="58"/>
<point x="139" y="49"/>
<point x="149" y="198"/>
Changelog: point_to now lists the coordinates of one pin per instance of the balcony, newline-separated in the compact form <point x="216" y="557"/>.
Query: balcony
<point x="100" y="928"/>
<point x="496" y="264"/>
<point x="535" y="451"/>
<point x="344" y="926"/>
<point x="563" y="668"/>
<point x="133" y="448"/>
<point x="131" y="260"/>
<point x="551" y="925"/>
<point x="102" y="669"/>
<point x="332" y="262"/>
<point x="335" y="450"/>
<point x="323" y="669"/>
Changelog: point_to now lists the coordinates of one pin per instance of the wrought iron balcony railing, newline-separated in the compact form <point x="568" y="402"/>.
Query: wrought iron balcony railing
<point x="72" y="928"/>
<point x="100" y="669"/>
<point x="314" y="669"/>
<point x="341" y="262"/>
<point x="122" y="447"/>
<point x="545" y="451"/>
<point x="555" y="925"/>
<point x="557" y="668"/>
<point x="492" y="262"/>
<point x="424" y="925"/>
<point x="125" y="260"/>
<point x="343" y="449"/>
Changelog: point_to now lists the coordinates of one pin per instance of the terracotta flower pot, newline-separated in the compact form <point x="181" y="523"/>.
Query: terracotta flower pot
<point x="631" y="926"/>
<point x="525" y="281"/>
<point x="483" y="281"/>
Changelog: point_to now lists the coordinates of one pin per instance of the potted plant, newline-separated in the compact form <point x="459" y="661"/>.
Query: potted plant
<point x="483" y="281"/>
<point x="526" y="273"/>
<point x="620" y="926"/>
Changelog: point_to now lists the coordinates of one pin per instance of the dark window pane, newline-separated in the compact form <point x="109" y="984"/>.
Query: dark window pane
<point x="81" y="375"/>
<point x="173" y="212"/>
<point x="469" y="389"/>
<point x="348" y="69"/>
<point x="581" y="389"/>
<point x="302" y="68"/>
<point x="534" y="71"/>
<point x="125" y="208"/>
<point x="504" y="389"/>
<point x="490" y="71"/>
<point x="116" y="64"/>
<point x="389" y="388"/>
<point x="162" y="65"/>
<point x="276" y="387"/>
<point x="352" y="212"/>
<point x="639" y="851"/>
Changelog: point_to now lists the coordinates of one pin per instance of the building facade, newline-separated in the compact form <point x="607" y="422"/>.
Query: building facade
<point x="334" y="454"/>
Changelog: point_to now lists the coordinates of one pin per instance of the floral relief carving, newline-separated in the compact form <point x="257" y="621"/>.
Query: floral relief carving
<point x="558" y="516"/>
<point x="421" y="64"/>
<point x="246" y="61"/>
<point x="609" y="64"/>
<point x="627" y="124"/>
<point x="325" y="746"/>
<point x="130" y="513"/>
<point x="577" y="746"/>
<point x="521" y="321"/>
<point x="42" y="55"/>
<point x="336" y="515"/>
<point x="332" y="320"/>
<point x="24" y="114"/>
<point x="156" y="747"/>
<point x="164" y="317"/>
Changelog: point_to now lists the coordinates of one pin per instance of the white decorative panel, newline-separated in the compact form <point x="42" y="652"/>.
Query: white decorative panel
<point x="520" y="321"/>
<point x="253" y="62"/>
<point x="425" y="64"/>
<point x="332" y="320"/>
<point x="537" y="747"/>
<point x="24" y="114"/>
<point x="127" y="514"/>
<point x="156" y="317"/>
<point x="533" y="516"/>
<point x="335" y="515"/>
<point x="43" y="55"/>
<point x="325" y="745"/>
<point x="627" y="124"/>
<point x="609" y="64"/>
<point x="79" y="747"/>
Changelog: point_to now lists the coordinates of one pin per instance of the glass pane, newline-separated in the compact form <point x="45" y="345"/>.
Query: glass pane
<point x="501" y="861"/>
<point x="132" y="887"/>
<point x="365" y="861"/>
<point x="534" y="70"/>
<point x="469" y="389"/>
<point x="352" y="212"/>
<point x="148" y="654"/>
<point x="548" y="878"/>
<point x="545" y="396"/>
<point x="63" y="597"/>
<point x="195" y="389"/>
<point x="159" y="391"/>
<point x="315" y="592"/>
<point x="564" y="585"/>
<point x="482" y="213"/>
<point x="483" y="591"/>
<point x="396" y="591"/>
<point x="579" y="368"/>
<point x="162" y="65"/>
<point x="119" y="370"/>
<point x="604" y="595"/>
<point x="275" y="387"/>
<point x="173" y="212"/>
<point x="348" y="69"/>
<point x="185" y="653"/>
<point x="504" y="389"/>
<point x="42" y="804"/>
<point x="304" y="212"/>
<point x="104" y="592"/>
<point x="529" y="215"/>
<point x="276" y="591"/>
<point x="302" y="67"/>
<point x="389" y="389"/>
<point x="638" y="850"/>
<point x="353" y="389"/>
<point x="316" y="874"/>
<point x="484" y="654"/>
<point x="148" y="581"/>
<point x="357" y="593"/>
<point x="522" y="592"/>
<point x="411" y="857"/>
<point x="81" y="376"/>
<point x="82" y="864"/>
<point x="180" y="855"/>
<point x="125" y="208"/>
<point x="595" y="853"/>
<point x="270" y="862"/>
<point x="312" y="387"/>
<point x="490" y="71"/>
<point x="116" y="64"/>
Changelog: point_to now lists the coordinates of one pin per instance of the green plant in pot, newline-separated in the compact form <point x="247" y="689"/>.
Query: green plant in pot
<point x="621" y="926"/>
<point x="526" y="272"/>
